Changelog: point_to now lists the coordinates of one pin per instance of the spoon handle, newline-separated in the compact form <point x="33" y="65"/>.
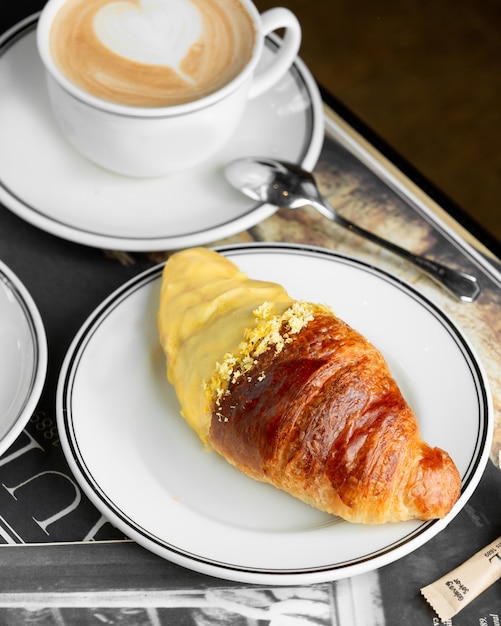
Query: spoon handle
<point x="463" y="286"/>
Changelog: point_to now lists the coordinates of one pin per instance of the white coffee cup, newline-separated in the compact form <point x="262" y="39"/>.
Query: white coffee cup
<point x="153" y="141"/>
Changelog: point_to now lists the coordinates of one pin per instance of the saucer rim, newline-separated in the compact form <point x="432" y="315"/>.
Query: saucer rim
<point x="29" y="310"/>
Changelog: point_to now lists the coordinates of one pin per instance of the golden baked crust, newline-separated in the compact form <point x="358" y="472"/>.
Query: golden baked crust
<point x="307" y="404"/>
<point x="325" y="421"/>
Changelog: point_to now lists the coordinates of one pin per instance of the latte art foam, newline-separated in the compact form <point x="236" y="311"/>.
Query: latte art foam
<point x="151" y="53"/>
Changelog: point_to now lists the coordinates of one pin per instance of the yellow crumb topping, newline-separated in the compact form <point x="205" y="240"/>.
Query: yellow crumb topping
<point x="270" y="332"/>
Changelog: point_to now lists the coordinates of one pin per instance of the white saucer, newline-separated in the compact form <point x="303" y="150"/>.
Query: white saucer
<point x="23" y="357"/>
<point x="47" y="183"/>
<point x="144" y="468"/>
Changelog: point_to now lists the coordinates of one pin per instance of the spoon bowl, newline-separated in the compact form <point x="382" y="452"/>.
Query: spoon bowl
<point x="274" y="182"/>
<point x="288" y="186"/>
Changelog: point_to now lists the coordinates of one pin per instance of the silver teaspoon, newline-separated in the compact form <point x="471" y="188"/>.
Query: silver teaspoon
<point x="289" y="186"/>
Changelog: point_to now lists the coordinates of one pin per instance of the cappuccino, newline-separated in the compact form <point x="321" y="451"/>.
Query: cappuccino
<point x="151" y="53"/>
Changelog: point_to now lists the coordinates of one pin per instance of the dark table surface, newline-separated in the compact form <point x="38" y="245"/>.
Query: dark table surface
<point x="68" y="281"/>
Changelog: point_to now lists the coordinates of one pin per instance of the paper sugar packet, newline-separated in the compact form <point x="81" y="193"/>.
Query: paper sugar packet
<point x="451" y="593"/>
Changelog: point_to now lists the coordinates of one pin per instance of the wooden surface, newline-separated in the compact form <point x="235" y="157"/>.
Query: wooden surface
<point x="426" y="77"/>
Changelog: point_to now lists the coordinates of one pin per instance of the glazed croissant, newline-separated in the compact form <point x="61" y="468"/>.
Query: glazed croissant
<point x="291" y="395"/>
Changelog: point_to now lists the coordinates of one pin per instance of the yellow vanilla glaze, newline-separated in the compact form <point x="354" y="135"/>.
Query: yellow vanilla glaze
<point x="206" y="306"/>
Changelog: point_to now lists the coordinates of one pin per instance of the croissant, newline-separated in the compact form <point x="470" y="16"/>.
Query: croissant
<point x="293" y="396"/>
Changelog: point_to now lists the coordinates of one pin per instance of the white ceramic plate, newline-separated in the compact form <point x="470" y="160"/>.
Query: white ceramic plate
<point x="23" y="357"/>
<point x="72" y="198"/>
<point x="145" y="469"/>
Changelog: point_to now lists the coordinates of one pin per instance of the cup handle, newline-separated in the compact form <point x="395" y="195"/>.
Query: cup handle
<point x="272" y="20"/>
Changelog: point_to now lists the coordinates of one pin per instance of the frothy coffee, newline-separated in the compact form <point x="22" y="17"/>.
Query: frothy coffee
<point x="151" y="53"/>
